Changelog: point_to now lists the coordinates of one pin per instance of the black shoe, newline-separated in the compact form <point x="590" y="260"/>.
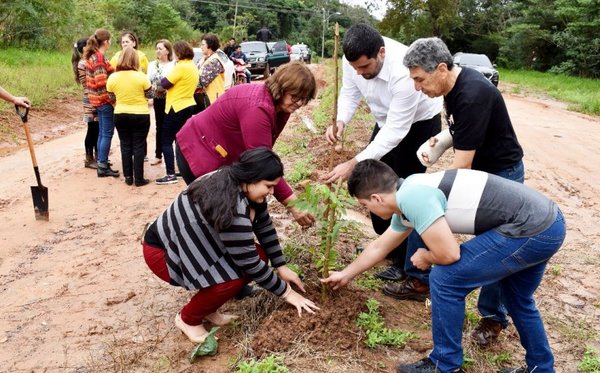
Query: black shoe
<point x="391" y="274"/>
<point x="247" y="291"/>
<point x="104" y="170"/>
<point x="422" y="366"/>
<point x="129" y="180"/>
<point x="139" y="183"/>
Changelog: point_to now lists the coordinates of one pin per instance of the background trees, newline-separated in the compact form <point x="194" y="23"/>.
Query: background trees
<point x="546" y="35"/>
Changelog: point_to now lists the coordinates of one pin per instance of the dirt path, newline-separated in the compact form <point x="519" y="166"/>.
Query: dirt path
<point x="73" y="286"/>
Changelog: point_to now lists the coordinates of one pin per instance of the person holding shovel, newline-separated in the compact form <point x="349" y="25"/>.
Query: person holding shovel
<point x="19" y="101"/>
<point x="516" y="231"/>
<point x="205" y="242"/>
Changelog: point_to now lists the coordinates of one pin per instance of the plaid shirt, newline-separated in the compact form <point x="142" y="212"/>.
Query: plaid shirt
<point x="97" y="70"/>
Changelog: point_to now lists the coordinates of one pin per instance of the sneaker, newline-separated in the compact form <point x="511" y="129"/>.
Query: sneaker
<point x="391" y="273"/>
<point x="422" y="366"/>
<point x="486" y="332"/>
<point x="409" y="289"/>
<point x="156" y="161"/>
<point x="167" y="179"/>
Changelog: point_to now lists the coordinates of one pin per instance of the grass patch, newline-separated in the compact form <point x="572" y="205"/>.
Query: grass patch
<point x="377" y="334"/>
<point x="301" y="171"/>
<point x="270" y="364"/>
<point x="368" y="281"/>
<point x="590" y="361"/>
<point x="582" y="95"/>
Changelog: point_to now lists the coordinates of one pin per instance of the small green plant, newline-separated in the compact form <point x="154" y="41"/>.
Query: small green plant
<point x="301" y="171"/>
<point x="270" y="364"/>
<point x="377" y="334"/>
<point x="296" y="269"/>
<point x="590" y="361"/>
<point x="555" y="270"/>
<point x="503" y="357"/>
<point x="209" y="347"/>
<point x="471" y="313"/>
<point x="327" y="205"/>
<point x="368" y="281"/>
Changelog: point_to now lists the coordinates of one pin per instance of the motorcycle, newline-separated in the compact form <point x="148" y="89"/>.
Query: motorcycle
<point x="240" y="71"/>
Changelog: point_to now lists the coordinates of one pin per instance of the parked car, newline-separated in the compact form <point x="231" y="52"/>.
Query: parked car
<point x="262" y="59"/>
<point x="279" y="54"/>
<point x="228" y="65"/>
<point x="256" y="51"/>
<point x="479" y="62"/>
<point x="300" y="52"/>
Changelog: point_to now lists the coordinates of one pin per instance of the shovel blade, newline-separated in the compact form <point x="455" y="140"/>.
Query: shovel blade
<point x="40" y="202"/>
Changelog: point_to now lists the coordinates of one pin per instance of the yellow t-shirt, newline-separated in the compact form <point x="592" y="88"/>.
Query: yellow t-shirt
<point x="128" y="87"/>
<point x="184" y="78"/>
<point x="142" y="57"/>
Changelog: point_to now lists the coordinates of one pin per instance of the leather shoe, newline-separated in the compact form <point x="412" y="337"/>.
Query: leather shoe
<point x="247" y="291"/>
<point x="391" y="273"/>
<point x="409" y="289"/>
<point x="486" y="332"/>
<point x="139" y="183"/>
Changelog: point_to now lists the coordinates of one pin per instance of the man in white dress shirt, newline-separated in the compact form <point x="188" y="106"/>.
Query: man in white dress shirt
<point x="405" y="118"/>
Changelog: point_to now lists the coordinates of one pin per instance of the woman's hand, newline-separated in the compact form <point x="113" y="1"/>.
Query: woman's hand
<point x="299" y="302"/>
<point x="303" y="218"/>
<point x="290" y="277"/>
<point x="336" y="280"/>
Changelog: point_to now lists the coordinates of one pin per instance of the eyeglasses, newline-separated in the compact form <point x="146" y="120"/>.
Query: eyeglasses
<point x="302" y="100"/>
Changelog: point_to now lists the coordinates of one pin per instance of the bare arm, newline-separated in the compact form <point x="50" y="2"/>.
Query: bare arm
<point x="443" y="248"/>
<point x="463" y="159"/>
<point x="19" y="101"/>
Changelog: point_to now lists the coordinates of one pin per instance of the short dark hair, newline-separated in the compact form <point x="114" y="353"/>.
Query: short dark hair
<point x="361" y="40"/>
<point x="428" y="53"/>
<point x="372" y="176"/>
<point x="167" y="44"/>
<point x="212" y="41"/>
<point x="183" y="50"/>
<point x="217" y="194"/>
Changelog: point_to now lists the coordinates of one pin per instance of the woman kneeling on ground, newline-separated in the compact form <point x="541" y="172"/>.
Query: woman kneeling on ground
<point x="205" y="241"/>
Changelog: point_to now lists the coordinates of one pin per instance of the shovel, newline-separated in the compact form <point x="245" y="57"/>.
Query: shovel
<point x="39" y="193"/>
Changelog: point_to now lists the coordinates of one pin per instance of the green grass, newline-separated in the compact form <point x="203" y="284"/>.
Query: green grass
<point x="377" y="334"/>
<point x="270" y="364"/>
<point x="582" y="95"/>
<point x="590" y="361"/>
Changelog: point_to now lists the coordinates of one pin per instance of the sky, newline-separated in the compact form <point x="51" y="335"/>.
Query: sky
<point x="378" y="14"/>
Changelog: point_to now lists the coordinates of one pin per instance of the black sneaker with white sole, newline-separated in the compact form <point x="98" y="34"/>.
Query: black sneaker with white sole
<point x="167" y="179"/>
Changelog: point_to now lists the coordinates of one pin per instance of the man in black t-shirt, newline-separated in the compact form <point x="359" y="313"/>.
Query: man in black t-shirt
<point x="264" y="34"/>
<point x="483" y="138"/>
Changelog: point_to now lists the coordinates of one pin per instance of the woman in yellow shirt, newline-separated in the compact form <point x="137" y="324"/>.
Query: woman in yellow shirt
<point x="132" y="89"/>
<point x="129" y="39"/>
<point x="212" y="70"/>
<point x="180" y="84"/>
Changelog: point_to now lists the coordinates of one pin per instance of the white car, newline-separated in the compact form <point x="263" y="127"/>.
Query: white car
<point x="227" y="64"/>
<point x="300" y="52"/>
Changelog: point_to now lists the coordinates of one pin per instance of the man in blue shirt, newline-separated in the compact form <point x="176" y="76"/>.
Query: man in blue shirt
<point x="516" y="231"/>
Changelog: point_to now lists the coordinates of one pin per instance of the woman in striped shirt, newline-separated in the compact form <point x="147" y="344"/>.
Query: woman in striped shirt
<point x="205" y="241"/>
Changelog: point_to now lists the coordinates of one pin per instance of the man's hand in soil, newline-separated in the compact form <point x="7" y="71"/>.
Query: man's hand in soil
<point x="332" y="137"/>
<point x="336" y="280"/>
<point x="341" y="171"/>
<point x="290" y="277"/>
<point x="299" y="301"/>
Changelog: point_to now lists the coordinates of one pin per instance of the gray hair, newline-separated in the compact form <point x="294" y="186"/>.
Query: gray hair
<point x="428" y="53"/>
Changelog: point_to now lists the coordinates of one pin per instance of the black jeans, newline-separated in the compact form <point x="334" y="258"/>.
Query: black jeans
<point x="173" y="123"/>
<point x="184" y="167"/>
<point x="91" y="138"/>
<point x="403" y="160"/>
<point x="159" y="115"/>
<point x="133" y="130"/>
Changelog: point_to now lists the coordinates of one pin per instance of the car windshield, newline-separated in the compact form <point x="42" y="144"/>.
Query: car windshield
<point x="280" y="46"/>
<point x="473" y="59"/>
<point x="254" y="46"/>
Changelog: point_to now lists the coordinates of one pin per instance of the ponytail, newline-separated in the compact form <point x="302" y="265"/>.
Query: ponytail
<point x="95" y="41"/>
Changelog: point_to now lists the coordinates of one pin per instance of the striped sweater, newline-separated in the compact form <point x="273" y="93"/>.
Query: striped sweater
<point x="199" y="257"/>
<point x="97" y="70"/>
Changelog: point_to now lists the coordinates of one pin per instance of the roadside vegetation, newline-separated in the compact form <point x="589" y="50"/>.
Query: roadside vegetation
<point x="581" y="94"/>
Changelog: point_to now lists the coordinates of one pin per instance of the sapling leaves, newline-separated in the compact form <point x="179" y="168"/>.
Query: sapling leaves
<point x="207" y="348"/>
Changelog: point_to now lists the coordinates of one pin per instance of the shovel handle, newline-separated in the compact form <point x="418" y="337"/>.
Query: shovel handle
<point x="28" y="137"/>
<point x="22" y="114"/>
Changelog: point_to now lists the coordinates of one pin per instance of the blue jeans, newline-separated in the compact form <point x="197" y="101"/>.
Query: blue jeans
<point x="517" y="264"/>
<point x="489" y="303"/>
<point x="106" y="130"/>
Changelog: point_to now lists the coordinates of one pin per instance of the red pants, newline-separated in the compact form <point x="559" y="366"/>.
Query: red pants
<point x="205" y="301"/>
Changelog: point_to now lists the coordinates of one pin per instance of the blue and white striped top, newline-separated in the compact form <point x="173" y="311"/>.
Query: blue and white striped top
<point x="199" y="257"/>
<point x="472" y="202"/>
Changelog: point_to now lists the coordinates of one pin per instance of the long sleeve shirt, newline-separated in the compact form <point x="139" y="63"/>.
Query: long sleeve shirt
<point x="97" y="70"/>
<point x="392" y="98"/>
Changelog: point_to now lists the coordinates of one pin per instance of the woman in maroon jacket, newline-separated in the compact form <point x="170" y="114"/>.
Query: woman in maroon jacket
<point x="247" y="116"/>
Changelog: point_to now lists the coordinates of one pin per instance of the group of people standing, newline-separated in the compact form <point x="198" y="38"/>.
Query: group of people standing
<point x="116" y="94"/>
<point x="205" y="240"/>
